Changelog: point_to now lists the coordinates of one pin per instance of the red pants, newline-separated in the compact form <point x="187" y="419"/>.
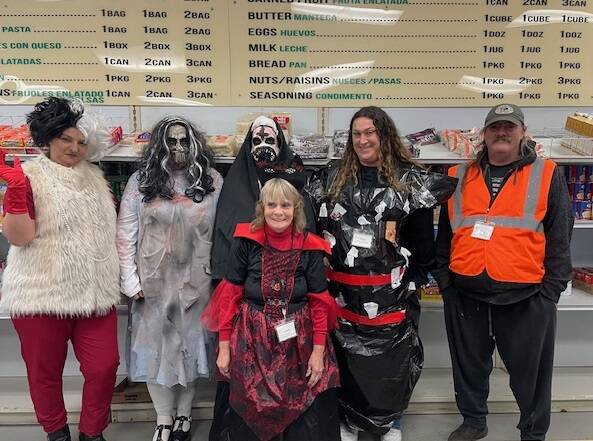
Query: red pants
<point x="44" y="346"/>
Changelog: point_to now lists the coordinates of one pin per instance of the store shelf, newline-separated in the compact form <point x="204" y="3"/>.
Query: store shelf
<point x="572" y="390"/>
<point x="553" y="149"/>
<point x="429" y="154"/>
<point x="122" y="153"/>
<point x="583" y="224"/>
<point x="578" y="300"/>
<point x="121" y="310"/>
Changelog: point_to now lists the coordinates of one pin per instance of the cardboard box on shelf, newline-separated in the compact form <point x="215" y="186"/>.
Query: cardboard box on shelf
<point x="129" y="392"/>
<point x="579" y="124"/>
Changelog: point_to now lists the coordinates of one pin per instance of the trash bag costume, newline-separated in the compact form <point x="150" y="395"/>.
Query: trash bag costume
<point x="377" y="345"/>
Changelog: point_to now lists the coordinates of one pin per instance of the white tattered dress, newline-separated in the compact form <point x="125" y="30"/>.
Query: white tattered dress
<point x="164" y="248"/>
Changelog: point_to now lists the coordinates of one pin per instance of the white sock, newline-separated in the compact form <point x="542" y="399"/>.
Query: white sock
<point x="163" y="399"/>
<point x="185" y="398"/>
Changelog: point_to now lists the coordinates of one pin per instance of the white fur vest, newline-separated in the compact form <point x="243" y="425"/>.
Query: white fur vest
<point x="71" y="267"/>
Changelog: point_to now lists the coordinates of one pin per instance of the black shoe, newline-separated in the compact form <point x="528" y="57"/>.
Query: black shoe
<point x="158" y="431"/>
<point x="60" y="435"/>
<point x="83" y="437"/>
<point x="468" y="433"/>
<point x="178" y="433"/>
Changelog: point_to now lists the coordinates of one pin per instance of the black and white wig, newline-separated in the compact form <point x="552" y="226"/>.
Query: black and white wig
<point x="51" y="117"/>
<point x="155" y="172"/>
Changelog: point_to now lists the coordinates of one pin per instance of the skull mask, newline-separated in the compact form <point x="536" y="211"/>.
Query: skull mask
<point x="178" y="143"/>
<point x="264" y="144"/>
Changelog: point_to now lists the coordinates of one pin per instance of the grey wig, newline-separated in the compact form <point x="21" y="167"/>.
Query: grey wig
<point x="154" y="174"/>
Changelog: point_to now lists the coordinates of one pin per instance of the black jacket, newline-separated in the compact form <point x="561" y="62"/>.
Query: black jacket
<point x="557" y="224"/>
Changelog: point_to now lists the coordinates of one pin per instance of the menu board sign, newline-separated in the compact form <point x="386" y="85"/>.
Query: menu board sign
<point x="334" y="53"/>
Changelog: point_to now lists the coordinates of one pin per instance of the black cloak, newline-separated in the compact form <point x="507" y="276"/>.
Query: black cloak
<point x="240" y="192"/>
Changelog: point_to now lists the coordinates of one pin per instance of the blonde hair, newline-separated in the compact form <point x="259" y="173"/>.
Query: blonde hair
<point x="279" y="190"/>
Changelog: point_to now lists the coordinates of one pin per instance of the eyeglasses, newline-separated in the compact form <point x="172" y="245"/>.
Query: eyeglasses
<point x="366" y="133"/>
<point x="270" y="140"/>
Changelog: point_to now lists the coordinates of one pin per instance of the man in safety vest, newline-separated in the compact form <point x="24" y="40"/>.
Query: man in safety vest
<point x="503" y="258"/>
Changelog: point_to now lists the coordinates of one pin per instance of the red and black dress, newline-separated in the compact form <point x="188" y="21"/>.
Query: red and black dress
<point x="270" y="273"/>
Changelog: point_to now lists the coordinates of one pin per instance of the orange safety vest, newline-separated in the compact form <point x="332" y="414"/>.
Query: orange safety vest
<point x="516" y="249"/>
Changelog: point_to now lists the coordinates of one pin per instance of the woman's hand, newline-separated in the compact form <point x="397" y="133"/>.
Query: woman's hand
<point x="223" y="361"/>
<point x="315" y="366"/>
<point x="14" y="176"/>
<point x="139" y="295"/>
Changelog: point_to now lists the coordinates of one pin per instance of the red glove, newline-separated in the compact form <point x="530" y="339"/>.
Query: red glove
<point x="15" y="198"/>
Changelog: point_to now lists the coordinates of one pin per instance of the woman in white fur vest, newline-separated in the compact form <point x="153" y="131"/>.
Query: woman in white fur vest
<point x="164" y="233"/>
<point x="61" y="280"/>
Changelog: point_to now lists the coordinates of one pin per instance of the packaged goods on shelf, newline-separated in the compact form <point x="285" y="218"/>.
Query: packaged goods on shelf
<point x="284" y="120"/>
<point x="136" y="140"/>
<point x="414" y="141"/>
<point x="424" y="137"/>
<point x="19" y="136"/>
<point x="579" y="174"/>
<point x="466" y="143"/>
<point x="310" y="146"/>
<point x="580" y="190"/>
<point x="16" y="137"/>
<point x="580" y="123"/>
<point x="238" y="141"/>
<point x="582" y="210"/>
<point x="222" y="145"/>
<point x="579" y="134"/>
<point x="243" y="124"/>
<point x="582" y="278"/>
<point x="430" y="291"/>
<point x="117" y="134"/>
<point x="339" y="140"/>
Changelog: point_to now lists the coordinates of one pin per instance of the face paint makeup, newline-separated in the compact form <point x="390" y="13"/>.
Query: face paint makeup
<point x="264" y="145"/>
<point x="178" y="142"/>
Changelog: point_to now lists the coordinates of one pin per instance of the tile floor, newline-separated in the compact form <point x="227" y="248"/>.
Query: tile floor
<point x="568" y="426"/>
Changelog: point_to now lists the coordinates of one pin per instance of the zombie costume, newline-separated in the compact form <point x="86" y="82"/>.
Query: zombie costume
<point x="382" y="241"/>
<point x="270" y="276"/>
<point x="264" y="155"/>
<point x="164" y="230"/>
<point x="167" y="245"/>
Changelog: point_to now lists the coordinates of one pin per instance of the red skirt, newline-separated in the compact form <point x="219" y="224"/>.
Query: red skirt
<point x="268" y="387"/>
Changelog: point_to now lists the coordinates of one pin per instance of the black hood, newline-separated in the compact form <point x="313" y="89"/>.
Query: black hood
<point x="240" y="192"/>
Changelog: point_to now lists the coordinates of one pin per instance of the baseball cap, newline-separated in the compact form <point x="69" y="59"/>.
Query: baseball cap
<point x="505" y="112"/>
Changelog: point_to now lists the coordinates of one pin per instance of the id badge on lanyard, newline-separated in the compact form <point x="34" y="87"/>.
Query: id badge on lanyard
<point x="483" y="230"/>
<point x="285" y="328"/>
